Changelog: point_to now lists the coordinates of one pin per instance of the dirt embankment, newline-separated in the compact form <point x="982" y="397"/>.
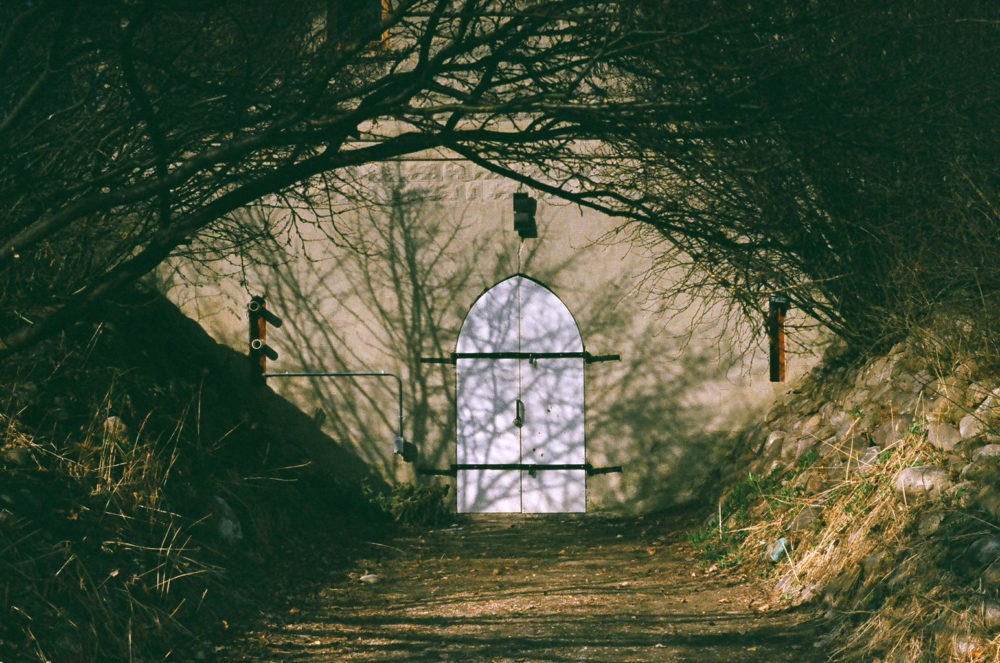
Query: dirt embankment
<point x="143" y="479"/>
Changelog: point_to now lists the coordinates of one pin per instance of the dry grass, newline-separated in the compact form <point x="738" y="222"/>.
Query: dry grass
<point x="96" y="577"/>
<point x="113" y="452"/>
<point x="895" y="577"/>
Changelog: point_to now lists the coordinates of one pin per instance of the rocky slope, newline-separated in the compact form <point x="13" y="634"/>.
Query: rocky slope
<point x="874" y="490"/>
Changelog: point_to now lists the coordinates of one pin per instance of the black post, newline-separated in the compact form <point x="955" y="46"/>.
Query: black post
<point x="778" y="307"/>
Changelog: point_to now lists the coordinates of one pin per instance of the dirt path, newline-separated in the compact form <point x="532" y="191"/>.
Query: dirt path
<point x="533" y="589"/>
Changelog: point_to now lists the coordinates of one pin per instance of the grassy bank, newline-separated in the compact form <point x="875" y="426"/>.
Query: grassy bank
<point x="147" y="491"/>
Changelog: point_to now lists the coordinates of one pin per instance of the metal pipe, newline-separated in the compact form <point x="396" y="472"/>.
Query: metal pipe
<point x="400" y="439"/>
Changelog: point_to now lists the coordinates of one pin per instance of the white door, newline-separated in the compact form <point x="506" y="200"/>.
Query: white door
<point x="520" y="403"/>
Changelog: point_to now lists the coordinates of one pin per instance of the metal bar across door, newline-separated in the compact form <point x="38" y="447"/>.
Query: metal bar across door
<point x="527" y="467"/>
<point x="455" y="356"/>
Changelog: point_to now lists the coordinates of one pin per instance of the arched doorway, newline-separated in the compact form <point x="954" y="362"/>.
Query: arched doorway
<point x="520" y="401"/>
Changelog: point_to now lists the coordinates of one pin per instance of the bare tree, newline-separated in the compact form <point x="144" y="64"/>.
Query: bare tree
<point x="845" y="157"/>
<point x="128" y="128"/>
<point x="769" y="146"/>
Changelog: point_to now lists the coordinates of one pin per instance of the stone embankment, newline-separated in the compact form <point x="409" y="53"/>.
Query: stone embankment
<point x="884" y="481"/>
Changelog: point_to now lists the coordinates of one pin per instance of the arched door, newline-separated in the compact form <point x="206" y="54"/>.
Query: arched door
<point x="520" y="403"/>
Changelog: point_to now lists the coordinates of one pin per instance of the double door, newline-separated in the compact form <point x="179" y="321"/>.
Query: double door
<point x="520" y="378"/>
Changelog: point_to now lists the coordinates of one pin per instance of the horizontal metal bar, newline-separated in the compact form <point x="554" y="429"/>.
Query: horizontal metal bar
<point x="437" y="471"/>
<point x="455" y="356"/>
<point x="519" y="466"/>
<point x="526" y="467"/>
<point x="610" y="469"/>
<point x="520" y="355"/>
<point x="593" y="359"/>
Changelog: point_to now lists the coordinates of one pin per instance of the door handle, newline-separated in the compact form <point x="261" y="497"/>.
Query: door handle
<point x="519" y="413"/>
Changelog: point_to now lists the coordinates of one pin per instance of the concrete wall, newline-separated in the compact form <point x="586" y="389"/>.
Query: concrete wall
<point x="393" y="283"/>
